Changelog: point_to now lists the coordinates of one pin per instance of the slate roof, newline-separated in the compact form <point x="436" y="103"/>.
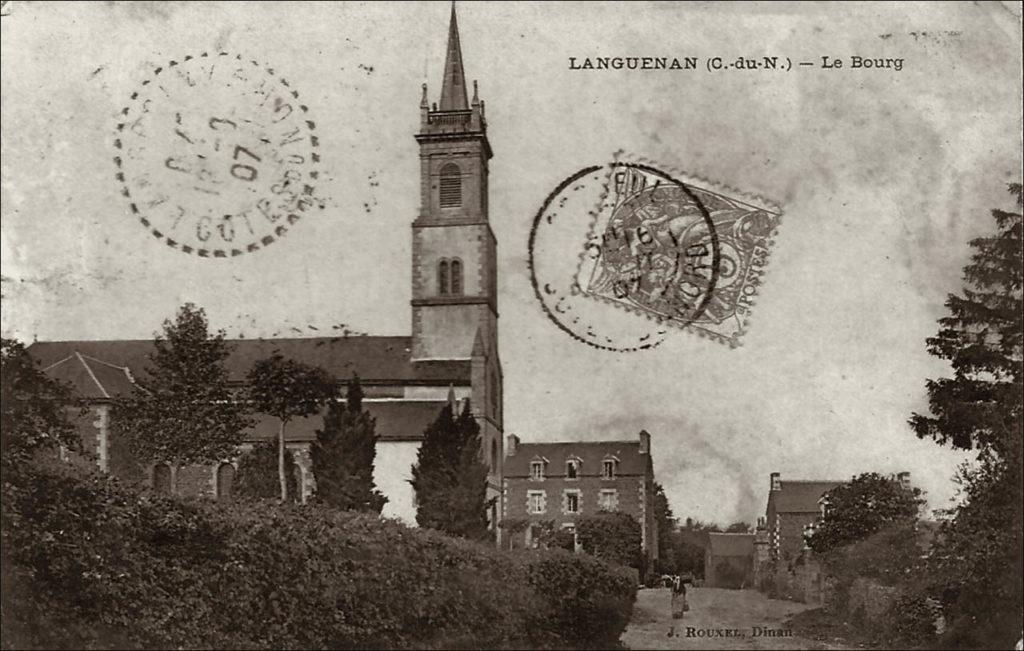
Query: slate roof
<point x="801" y="496"/>
<point x="396" y="420"/>
<point x="89" y="377"/>
<point x="731" y="544"/>
<point x="591" y="453"/>
<point x="375" y="359"/>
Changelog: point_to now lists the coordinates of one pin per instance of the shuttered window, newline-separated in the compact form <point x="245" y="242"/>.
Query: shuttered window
<point x="451" y="186"/>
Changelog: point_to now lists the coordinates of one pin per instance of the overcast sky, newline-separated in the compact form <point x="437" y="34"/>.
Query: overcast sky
<point x="883" y="177"/>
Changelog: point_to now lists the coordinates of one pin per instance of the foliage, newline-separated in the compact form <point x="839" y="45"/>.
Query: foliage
<point x="613" y="536"/>
<point x="343" y="456"/>
<point x="34" y="406"/>
<point x="867" y="503"/>
<point x="739" y="527"/>
<point x="665" y="522"/>
<point x="450" y="477"/>
<point x="287" y="389"/>
<point x="91" y="564"/>
<point x="182" y="410"/>
<point x="685" y="549"/>
<point x="257" y="473"/>
<point x="977" y="560"/>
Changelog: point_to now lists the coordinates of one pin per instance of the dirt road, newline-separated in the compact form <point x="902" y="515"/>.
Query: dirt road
<point x="718" y="619"/>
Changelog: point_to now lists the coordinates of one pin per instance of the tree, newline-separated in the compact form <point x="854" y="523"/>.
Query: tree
<point x="665" y="522"/>
<point x="857" y="509"/>
<point x="34" y="407"/>
<point x="739" y="527"/>
<point x="343" y="455"/>
<point x="257" y="476"/>
<point x="182" y="409"/>
<point x="613" y="536"/>
<point x="450" y="478"/>
<point x="978" y="557"/>
<point x="287" y="389"/>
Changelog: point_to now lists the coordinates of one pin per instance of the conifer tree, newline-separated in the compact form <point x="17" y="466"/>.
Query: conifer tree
<point x="343" y="455"/>
<point x="450" y="478"/>
<point x="977" y="558"/>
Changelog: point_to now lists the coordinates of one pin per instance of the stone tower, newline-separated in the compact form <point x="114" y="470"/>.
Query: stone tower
<point x="454" y="267"/>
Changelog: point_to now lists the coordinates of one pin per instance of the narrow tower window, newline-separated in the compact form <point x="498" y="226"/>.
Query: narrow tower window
<point x="442" y="277"/>
<point x="456" y="272"/>
<point x="451" y="186"/>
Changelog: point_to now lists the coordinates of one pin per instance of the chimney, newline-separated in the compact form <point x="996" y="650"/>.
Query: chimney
<point x="776" y="481"/>
<point x="903" y="478"/>
<point x="512" y="445"/>
<point x="645" y="442"/>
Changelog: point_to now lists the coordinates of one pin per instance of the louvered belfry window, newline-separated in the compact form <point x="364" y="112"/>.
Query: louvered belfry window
<point x="451" y="186"/>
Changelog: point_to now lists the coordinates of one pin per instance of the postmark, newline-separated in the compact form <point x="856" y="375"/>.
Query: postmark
<point x="217" y="155"/>
<point x="660" y="248"/>
<point x="555" y="236"/>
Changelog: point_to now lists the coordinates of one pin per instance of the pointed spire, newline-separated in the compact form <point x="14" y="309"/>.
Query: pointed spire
<point x="476" y="94"/>
<point x="452" y="401"/>
<point x="423" y="102"/>
<point x="453" y="87"/>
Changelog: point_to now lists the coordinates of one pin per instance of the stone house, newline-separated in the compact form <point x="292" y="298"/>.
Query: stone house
<point x="561" y="482"/>
<point x="793" y="508"/>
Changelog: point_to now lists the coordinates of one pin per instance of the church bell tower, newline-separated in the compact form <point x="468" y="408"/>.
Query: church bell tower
<point x="454" y="288"/>
<point x="454" y="266"/>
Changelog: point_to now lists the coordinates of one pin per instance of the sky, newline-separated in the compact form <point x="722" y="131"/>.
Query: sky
<point x="882" y="177"/>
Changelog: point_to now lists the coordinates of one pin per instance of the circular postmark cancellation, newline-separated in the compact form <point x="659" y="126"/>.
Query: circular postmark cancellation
<point x="640" y="255"/>
<point x="657" y="253"/>
<point x="216" y="155"/>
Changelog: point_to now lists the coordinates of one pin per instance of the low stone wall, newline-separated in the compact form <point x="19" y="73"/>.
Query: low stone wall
<point x="802" y="581"/>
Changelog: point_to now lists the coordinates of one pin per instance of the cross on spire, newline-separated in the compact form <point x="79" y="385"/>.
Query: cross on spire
<point x="453" y="87"/>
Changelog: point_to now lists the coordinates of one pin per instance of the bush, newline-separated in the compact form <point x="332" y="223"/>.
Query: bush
<point x="88" y="563"/>
<point x="258" y="478"/>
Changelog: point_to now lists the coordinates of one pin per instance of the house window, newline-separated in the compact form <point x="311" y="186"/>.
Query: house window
<point x="535" y="501"/>
<point x="609" y="500"/>
<point x="456" y="280"/>
<point x="572" y="502"/>
<point x="572" y="469"/>
<point x="162" y="479"/>
<point x="451" y="186"/>
<point x="225" y="478"/>
<point x="608" y="469"/>
<point x="537" y="470"/>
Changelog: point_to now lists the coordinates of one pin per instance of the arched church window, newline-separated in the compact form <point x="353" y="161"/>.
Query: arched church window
<point x="442" y="277"/>
<point x="162" y="479"/>
<point x="225" y="479"/>
<point x="451" y="186"/>
<point x="456" y="273"/>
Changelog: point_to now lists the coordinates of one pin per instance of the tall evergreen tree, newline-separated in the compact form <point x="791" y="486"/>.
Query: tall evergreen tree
<point x="182" y="409"/>
<point x="450" y="477"/>
<point x="344" y="453"/>
<point x="978" y="556"/>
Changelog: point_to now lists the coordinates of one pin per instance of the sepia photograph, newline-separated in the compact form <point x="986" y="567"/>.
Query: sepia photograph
<point x="511" y="325"/>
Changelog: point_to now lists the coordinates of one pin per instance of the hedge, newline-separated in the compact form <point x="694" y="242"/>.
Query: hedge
<point x="90" y="563"/>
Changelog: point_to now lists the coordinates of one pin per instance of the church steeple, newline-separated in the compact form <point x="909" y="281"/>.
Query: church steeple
<point x="453" y="87"/>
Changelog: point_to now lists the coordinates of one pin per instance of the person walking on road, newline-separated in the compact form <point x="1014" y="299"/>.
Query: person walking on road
<point x="679" y="605"/>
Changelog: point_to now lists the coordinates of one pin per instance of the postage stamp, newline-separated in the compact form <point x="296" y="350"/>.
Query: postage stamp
<point x="666" y="248"/>
<point x="216" y="155"/>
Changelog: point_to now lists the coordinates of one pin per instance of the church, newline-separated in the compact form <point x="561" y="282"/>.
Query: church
<point x="451" y="354"/>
